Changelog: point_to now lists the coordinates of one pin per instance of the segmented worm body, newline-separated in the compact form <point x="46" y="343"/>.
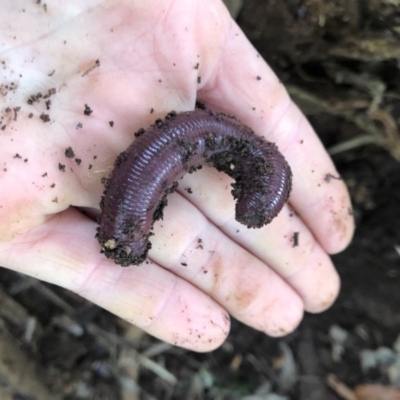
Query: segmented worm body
<point x="149" y="169"/>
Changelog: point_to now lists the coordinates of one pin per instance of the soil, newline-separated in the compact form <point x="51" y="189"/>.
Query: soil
<point x="339" y="61"/>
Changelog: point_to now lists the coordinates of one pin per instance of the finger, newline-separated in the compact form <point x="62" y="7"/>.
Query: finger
<point x="319" y="195"/>
<point x="252" y="91"/>
<point x="186" y="243"/>
<point x="286" y="244"/>
<point x="63" y="251"/>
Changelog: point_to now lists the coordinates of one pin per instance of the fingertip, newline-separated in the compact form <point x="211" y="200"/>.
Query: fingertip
<point x="188" y="318"/>
<point x="202" y="337"/>
<point x="216" y="336"/>
<point x="289" y="320"/>
<point x="323" y="299"/>
<point x="344" y="235"/>
<point x="283" y="315"/>
<point x="339" y="226"/>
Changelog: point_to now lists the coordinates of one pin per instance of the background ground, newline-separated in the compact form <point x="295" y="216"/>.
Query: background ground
<point x="341" y="63"/>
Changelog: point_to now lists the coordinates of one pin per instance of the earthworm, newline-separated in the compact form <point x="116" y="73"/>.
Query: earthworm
<point x="144" y="174"/>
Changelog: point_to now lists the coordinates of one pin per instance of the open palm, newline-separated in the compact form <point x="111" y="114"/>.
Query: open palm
<point x="78" y="78"/>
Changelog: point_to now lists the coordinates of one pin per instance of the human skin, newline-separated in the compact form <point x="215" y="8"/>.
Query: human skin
<point x="156" y="56"/>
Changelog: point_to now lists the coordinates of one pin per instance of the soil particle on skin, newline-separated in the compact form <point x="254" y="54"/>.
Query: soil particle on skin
<point x="296" y="236"/>
<point x="61" y="167"/>
<point x="5" y="89"/>
<point x="16" y="110"/>
<point x="139" y="132"/>
<point x="17" y="156"/>
<point x="50" y="93"/>
<point x="78" y="161"/>
<point x="87" y="110"/>
<point x="45" y="117"/>
<point x="69" y="153"/>
<point x="9" y="115"/>
<point x="34" y="98"/>
<point x="53" y="185"/>
<point x="329" y="177"/>
<point x="160" y="124"/>
<point x="111" y="123"/>
<point x="79" y="125"/>
<point x="94" y="66"/>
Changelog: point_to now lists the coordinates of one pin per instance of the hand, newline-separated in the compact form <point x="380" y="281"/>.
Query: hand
<point x="155" y="56"/>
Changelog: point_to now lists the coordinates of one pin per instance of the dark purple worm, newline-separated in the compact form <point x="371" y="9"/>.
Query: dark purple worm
<point x="149" y="169"/>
